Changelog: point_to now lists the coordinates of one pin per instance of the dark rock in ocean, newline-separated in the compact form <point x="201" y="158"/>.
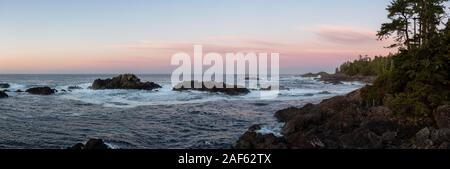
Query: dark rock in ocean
<point x="338" y="78"/>
<point x="74" y="88"/>
<point x="266" y="89"/>
<point x="252" y="78"/>
<point x="125" y="81"/>
<point x="19" y="91"/>
<point x="271" y="88"/>
<point x="254" y="140"/>
<point x="442" y="116"/>
<point x="92" y="144"/>
<point x="260" y="104"/>
<point x="211" y="87"/>
<point x="324" y="92"/>
<point x="41" y="91"/>
<point x="3" y="95"/>
<point x="4" y="85"/>
<point x="315" y="74"/>
<point x="78" y="146"/>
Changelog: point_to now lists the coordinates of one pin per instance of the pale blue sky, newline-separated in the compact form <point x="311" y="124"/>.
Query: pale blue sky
<point x="178" y="19"/>
<point x="37" y="25"/>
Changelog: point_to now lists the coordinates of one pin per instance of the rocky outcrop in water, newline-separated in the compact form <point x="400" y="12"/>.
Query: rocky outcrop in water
<point x="74" y="88"/>
<point x="92" y="144"/>
<point x="314" y="75"/>
<point x="4" y="85"/>
<point x="3" y="95"/>
<point x="338" y="78"/>
<point x="211" y="87"/>
<point x="125" y="81"/>
<point x="343" y="122"/>
<point x="41" y="91"/>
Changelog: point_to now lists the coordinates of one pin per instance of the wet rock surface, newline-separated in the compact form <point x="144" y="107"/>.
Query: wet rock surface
<point x="125" y="81"/>
<point x="74" y="88"/>
<point x="213" y="87"/>
<point x="92" y="144"/>
<point x="254" y="140"/>
<point x="338" y="78"/>
<point x="442" y="116"/>
<point x="343" y="122"/>
<point x="4" y="85"/>
<point x="3" y="95"/>
<point x="41" y="91"/>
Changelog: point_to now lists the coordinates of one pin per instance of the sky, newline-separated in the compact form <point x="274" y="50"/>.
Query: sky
<point x="140" y="36"/>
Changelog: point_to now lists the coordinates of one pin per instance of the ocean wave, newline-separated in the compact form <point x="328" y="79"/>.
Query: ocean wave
<point x="293" y="88"/>
<point x="271" y="129"/>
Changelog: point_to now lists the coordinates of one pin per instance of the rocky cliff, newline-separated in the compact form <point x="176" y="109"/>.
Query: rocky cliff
<point x="343" y="122"/>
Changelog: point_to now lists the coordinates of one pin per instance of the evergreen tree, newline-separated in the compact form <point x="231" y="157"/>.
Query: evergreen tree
<point x="400" y="12"/>
<point x="418" y="79"/>
<point x="430" y="14"/>
<point x="413" y="21"/>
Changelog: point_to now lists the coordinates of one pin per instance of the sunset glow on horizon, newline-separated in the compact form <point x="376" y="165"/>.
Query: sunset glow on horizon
<point x="140" y="36"/>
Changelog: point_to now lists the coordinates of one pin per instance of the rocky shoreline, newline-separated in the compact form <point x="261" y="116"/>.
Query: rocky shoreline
<point x="343" y="122"/>
<point x="338" y="78"/>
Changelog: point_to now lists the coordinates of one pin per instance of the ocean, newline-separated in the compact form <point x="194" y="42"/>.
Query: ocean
<point x="135" y="119"/>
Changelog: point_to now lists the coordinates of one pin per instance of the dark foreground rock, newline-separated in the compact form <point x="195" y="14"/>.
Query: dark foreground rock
<point x="92" y="144"/>
<point x="338" y="78"/>
<point x="211" y="87"/>
<point x="41" y="91"/>
<point x="4" y="85"/>
<point x="3" y="95"/>
<point x="125" y="81"/>
<point x="343" y="122"/>
<point x="442" y="116"/>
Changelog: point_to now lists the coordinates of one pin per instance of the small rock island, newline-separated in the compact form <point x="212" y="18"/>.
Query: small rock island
<point x="212" y="87"/>
<point x="124" y="81"/>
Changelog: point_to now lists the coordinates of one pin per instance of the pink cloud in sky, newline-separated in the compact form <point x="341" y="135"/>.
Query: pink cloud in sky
<point x="345" y="34"/>
<point x="330" y="46"/>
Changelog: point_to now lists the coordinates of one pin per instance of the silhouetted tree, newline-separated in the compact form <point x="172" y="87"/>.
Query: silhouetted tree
<point x="406" y="16"/>
<point x="430" y="14"/>
<point x="400" y="12"/>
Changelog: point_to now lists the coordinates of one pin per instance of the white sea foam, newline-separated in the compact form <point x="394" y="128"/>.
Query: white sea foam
<point x="15" y="86"/>
<point x="275" y="130"/>
<point x="293" y="88"/>
<point x="112" y="146"/>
